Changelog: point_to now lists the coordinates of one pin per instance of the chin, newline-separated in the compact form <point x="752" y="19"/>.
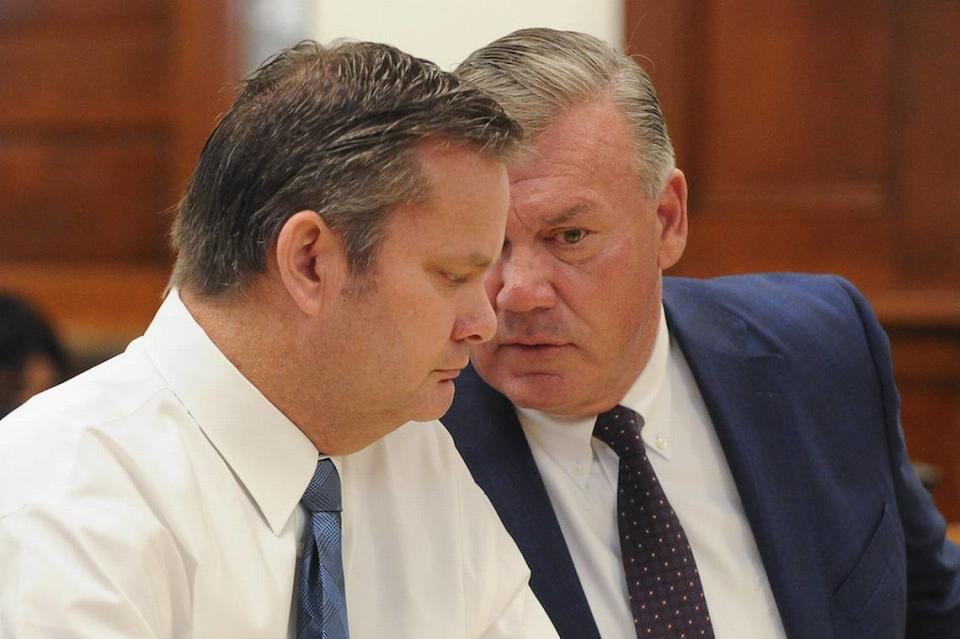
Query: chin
<point x="544" y="392"/>
<point x="437" y="405"/>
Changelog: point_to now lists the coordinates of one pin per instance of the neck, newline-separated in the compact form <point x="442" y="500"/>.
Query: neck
<point x="260" y="333"/>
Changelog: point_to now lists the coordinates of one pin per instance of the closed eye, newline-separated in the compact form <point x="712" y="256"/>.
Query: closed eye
<point x="458" y="278"/>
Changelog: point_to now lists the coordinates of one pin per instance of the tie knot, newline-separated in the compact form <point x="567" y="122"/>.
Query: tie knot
<point x="619" y="428"/>
<point x="323" y="492"/>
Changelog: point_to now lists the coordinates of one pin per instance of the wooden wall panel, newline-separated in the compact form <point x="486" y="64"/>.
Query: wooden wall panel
<point x="790" y="129"/>
<point x="723" y="244"/>
<point x="825" y="137"/>
<point x="843" y="118"/>
<point x="44" y="14"/>
<point x="104" y="106"/>
<point x="207" y="73"/>
<point x="928" y="171"/>
<point x="70" y="199"/>
<point x="88" y="77"/>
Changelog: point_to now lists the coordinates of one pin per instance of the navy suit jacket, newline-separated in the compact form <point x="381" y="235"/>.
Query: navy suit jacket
<point x="796" y="374"/>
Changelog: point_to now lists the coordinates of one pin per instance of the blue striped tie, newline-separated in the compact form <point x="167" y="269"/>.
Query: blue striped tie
<point x="321" y="599"/>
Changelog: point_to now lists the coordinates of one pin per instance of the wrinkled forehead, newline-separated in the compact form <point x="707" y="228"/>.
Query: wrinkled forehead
<point x="590" y="141"/>
<point x="578" y="170"/>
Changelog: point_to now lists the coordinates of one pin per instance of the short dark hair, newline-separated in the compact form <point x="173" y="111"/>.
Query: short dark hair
<point x="536" y="74"/>
<point x="24" y="333"/>
<point x="325" y="128"/>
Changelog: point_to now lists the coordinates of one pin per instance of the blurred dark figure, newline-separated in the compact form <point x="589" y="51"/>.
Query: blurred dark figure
<point x="31" y="357"/>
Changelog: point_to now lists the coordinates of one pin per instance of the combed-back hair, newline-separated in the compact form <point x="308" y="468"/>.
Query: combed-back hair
<point x="536" y="74"/>
<point x="331" y="129"/>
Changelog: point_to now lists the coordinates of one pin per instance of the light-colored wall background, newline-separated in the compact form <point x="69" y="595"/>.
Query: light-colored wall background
<point x="446" y="31"/>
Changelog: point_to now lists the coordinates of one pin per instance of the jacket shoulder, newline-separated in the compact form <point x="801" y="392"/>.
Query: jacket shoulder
<point x="781" y="310"/>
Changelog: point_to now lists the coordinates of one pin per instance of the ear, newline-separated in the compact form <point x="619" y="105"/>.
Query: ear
<point x="310" y="261"/>
<point x="672" y="220"/>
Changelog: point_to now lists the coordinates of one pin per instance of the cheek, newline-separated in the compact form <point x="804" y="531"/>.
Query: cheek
<point x="425" y="325"/>
<point x="612" y="290"/>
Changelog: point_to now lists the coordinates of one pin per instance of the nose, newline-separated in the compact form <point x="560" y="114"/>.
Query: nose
<point x="479" y="323"/>
<point x="525" y="282"/>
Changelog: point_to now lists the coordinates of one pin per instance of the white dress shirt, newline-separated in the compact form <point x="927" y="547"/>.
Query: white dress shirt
<point x="580" y="473"/>
<point x="157" y="495"/>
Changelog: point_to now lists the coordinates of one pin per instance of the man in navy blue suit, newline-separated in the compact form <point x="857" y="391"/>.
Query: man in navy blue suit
<point x="770" y="466"/>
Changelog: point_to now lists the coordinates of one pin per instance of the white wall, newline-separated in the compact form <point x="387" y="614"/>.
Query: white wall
<point x="447" y="31"/>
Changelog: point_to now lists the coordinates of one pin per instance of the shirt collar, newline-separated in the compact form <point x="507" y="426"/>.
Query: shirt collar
<point x="567" y="440"/>
<point x="270" y="456"/>
<point x="651" y="396"/>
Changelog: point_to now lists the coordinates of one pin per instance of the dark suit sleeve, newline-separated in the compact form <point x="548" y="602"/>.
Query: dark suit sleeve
<point x="933" y="563"/>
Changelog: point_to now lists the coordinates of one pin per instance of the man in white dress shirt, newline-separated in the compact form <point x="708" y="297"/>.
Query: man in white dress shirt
<point x="679" y="458"/>
<point x="331" y="250"/>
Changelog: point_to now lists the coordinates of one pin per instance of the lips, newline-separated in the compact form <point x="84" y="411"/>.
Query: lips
<point x="531" y="347"/>
<point x="533" y="342"/>
<point x="538" y="351"/>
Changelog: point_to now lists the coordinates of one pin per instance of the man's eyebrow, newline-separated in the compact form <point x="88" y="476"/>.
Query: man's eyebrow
<point x="567" y="214"/>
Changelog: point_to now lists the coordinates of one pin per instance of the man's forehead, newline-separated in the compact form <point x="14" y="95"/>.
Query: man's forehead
<point x="588" y="138"/>
<point x="555" y="198"/>
<point x="552" y="213"/>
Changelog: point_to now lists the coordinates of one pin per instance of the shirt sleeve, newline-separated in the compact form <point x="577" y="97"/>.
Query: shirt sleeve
<point x="88" y="572"/>
<point x="496" y="576"/>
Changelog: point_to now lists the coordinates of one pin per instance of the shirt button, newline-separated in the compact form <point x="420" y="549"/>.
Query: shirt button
<point x="661" y="443"/>
<point x="581" y="469"/>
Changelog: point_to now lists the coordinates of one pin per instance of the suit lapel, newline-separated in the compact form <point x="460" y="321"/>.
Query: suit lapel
<point x="742" y="385"/>
<point x="488" y="435"/>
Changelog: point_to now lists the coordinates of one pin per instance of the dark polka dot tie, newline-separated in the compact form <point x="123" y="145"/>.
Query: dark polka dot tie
<point x="666" y="595"/>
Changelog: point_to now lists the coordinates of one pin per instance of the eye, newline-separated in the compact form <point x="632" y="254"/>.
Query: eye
<point x="569" y="237"/>
<point x="457" y="278"/>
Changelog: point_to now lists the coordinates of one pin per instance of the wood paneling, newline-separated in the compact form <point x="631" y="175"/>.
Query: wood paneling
<point x="207" y="71"/>
<point x="84" y="198"/>
<point x="739" y="243"/>
<point x="84" y="78"/>
<point x="928" y="171"/>
<point x="841" y="118"/>
<point x="104" y="106"/>
<point x="825" y="137"/>
<point x="61" y="14"/>
<point x="789" y="130"/>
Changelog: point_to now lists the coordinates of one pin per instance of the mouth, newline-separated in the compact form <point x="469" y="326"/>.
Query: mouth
<point x="533" y="344"/>
<point x="532" y="348"/>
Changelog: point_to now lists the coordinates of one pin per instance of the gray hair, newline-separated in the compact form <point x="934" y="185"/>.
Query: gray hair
<point x="536" y="74"/>
<point x="329" y="129"/>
